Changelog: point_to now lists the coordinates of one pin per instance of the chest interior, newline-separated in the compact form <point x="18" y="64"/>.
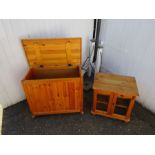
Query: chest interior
<point x="52" y="73"/>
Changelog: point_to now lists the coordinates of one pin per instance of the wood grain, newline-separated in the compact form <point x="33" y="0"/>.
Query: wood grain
<point x="50" y="96"/>
<point x="50" y="85"/>
<point x="116" y="83"/>
<point x="52" y="52"/>
<point x="115" y="86"/>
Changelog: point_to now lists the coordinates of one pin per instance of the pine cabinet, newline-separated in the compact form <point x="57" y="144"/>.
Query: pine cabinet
<point x="114" y="96"/>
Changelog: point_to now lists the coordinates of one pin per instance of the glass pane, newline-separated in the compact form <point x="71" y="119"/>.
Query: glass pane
<point x="121" y="106"/>
<point x="102" y="102"/>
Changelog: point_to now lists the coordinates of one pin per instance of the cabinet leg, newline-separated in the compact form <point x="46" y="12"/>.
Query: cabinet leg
<point x="94" y="100"/>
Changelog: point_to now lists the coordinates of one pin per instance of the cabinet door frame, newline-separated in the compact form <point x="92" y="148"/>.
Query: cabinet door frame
<point x="101" y="92"/>
<point x="126" y="117"/>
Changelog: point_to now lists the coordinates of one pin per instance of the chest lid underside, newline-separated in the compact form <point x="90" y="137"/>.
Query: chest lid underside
<point x="53" y="52"/>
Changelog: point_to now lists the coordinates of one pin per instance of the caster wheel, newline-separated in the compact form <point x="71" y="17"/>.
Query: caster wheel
<point x="93" y="113"/>
<point x="33" y="116"/>
<point x="126" y="121"/>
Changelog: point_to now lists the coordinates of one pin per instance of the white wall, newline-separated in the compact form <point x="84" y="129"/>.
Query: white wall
<point x="13" y="64"/>
<point x="129" y="49"/>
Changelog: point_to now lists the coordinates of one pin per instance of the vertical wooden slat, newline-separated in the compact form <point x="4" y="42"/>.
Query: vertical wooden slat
<point x="52" y="101"/>
<point x="43" y="96"/>
<point x="56" y="100"/>
<point x="34" y="94"/>
<point x="71" y="88"/>
<point x="48" y="98"/>
<point x="65" y="95"/>
<point x="60" y="90"/>
<point x="77" y="94"/>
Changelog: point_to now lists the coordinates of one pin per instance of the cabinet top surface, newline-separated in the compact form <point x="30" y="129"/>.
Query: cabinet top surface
<point x="53" y="52"/>
<point x="120" y="84"/>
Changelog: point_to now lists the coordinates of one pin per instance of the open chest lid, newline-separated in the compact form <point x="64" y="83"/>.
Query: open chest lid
<point x="53" y="52"/>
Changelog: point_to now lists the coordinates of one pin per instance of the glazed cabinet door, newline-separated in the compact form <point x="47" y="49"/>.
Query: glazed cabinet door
<point x="102" y="101"/>
<point x="122" y="106"/>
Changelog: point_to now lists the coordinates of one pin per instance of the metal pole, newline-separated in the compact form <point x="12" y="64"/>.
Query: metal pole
<point x="94" y="29"/>
<point x="97" y="39"/>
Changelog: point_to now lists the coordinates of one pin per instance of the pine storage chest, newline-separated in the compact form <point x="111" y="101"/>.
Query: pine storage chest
<point x="54" y="82"/>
